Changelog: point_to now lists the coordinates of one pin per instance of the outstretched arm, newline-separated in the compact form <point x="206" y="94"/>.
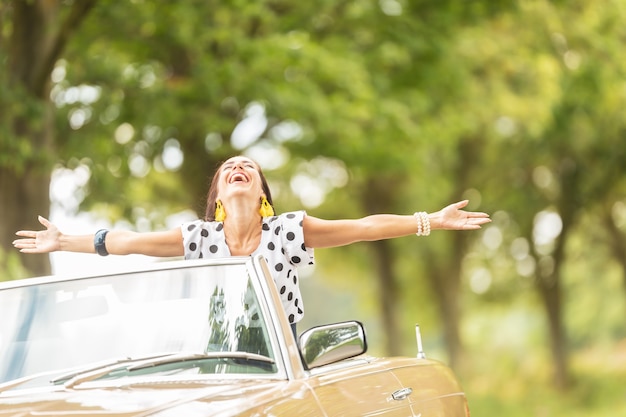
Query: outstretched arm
<point x="320" y="233"/>
<point x="118" y="242"/>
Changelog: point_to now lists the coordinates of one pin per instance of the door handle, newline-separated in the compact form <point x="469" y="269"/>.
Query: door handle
<point x="401" y="394"/>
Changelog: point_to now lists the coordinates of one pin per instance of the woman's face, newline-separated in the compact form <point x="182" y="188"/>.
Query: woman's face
<point x="239" y="175"/>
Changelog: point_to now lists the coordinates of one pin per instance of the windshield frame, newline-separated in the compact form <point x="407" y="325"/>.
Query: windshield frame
<point x="260" y="282"/>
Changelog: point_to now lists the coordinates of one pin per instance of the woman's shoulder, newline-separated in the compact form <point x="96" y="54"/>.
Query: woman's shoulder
<point x="201" y="224"/>
<point x="284" y="220"/>
<point x="290" y="215"/>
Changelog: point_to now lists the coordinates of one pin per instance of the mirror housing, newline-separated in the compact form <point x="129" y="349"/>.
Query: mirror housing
<point x="330" y="343"/>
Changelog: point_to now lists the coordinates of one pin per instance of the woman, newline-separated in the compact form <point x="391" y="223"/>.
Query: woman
<point x="240" y="221"/>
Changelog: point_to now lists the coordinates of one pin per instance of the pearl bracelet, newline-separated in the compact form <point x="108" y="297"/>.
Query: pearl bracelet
<point x="423" y="223"/>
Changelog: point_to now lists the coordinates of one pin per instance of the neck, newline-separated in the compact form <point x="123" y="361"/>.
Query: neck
<point x="242" y="227"/>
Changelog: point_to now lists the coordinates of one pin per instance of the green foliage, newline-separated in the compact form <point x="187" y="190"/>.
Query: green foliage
<point x="16" y="147"/>
<point x="11" y="266"/>
<point x="517" y="106"/>
<point x="512" y="390"/>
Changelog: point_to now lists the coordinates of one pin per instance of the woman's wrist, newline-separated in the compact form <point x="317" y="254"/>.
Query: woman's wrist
<point x="423" y="223"/>
<point x="63" y="243"/>
<point x="99" y="242"/>
<point x="75" y="243"/>
<point x="435" y="220"/>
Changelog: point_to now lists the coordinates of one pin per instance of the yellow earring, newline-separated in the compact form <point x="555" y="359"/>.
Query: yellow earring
<point x="266" y="209"/>
<point x="220" y="213"/>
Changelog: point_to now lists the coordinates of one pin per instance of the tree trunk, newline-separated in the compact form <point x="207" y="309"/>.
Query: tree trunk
<point x="549" y="289"/>
<point x="444" y="278"/>
<point x="40" y="31"/>
<point x="549" y="273"/>
<point x="388" y="290"/>
<point x="378" y="199"/>
<point x="617" y="242"/>
<point x="445" y="273"/>
<point x="26" y="197"/>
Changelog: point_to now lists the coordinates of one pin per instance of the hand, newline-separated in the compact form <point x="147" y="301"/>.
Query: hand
<point x="453" y="218"/>
<point x="43" y="241"/>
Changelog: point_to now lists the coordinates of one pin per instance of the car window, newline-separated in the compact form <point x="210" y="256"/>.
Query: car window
<point x="208" y="309"/>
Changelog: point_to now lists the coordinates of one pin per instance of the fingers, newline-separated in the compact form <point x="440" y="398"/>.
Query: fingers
<point x="25" y="245"/>
<point x="478" y="220"/>
<point x="26" y="233"/>
<point x="30" y="250"/>
<point x="29" y="246"/>
<point x="464" y="203"/>
<point x="45" y="222"/>
<point x="475" y="223"/>
<point x="33" y="233"/>
<point x="471" y="227"/>
<point x="461" y="204"/>
<point x="470" y="214"/>
<point x="477" y="215"/>
<point x="28" y="243"/>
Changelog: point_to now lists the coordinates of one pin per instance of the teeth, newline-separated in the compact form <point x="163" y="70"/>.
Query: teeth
<point x="238" y="177"/>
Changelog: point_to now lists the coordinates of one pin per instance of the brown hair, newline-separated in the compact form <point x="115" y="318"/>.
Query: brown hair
<point x="211" y="197"/>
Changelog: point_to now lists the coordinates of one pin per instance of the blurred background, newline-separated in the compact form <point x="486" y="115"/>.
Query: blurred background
<point x="115" y="114"/>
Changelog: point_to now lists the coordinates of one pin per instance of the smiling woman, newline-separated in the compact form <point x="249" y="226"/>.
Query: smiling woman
<point x="240" y="221"/>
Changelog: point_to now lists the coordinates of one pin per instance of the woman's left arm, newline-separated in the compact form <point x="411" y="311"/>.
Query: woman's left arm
<point x="319" y="233"/>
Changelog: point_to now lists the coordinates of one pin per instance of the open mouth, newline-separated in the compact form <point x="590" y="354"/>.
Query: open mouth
<point x="237" y="177"/>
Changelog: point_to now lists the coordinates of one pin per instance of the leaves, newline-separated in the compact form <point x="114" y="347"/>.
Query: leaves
<point x="409" y="104"/>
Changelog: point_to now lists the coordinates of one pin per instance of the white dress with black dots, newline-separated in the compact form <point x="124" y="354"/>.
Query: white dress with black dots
<point x="282" y="245"/>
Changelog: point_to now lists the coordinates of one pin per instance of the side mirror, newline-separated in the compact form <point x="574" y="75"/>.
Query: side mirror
<point x="330" y="343"/>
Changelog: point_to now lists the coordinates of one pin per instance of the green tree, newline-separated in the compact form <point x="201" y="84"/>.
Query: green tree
<point x="516" y="106"/>
<point x="34" y="35"/>
<point x="549" y="163"/>
<point x="170" y="76"/>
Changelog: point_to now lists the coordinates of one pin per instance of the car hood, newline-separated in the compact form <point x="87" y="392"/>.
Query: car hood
<point x="163" y="398"/>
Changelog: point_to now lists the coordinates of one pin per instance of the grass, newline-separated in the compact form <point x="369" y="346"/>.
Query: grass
<point x="597" y="388"/>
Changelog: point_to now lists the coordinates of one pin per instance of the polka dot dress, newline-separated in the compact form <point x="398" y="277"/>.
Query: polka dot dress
<point x="282" y="245"/>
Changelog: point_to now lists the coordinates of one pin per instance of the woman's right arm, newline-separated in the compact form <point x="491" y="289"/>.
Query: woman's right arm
<point x="118" y="242"/>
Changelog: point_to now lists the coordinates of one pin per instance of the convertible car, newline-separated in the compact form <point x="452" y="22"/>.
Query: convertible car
<point x="196" y="338"/>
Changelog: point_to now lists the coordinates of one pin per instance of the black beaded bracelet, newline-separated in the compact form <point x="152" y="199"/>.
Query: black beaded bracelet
<point x="99" y="242"/>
